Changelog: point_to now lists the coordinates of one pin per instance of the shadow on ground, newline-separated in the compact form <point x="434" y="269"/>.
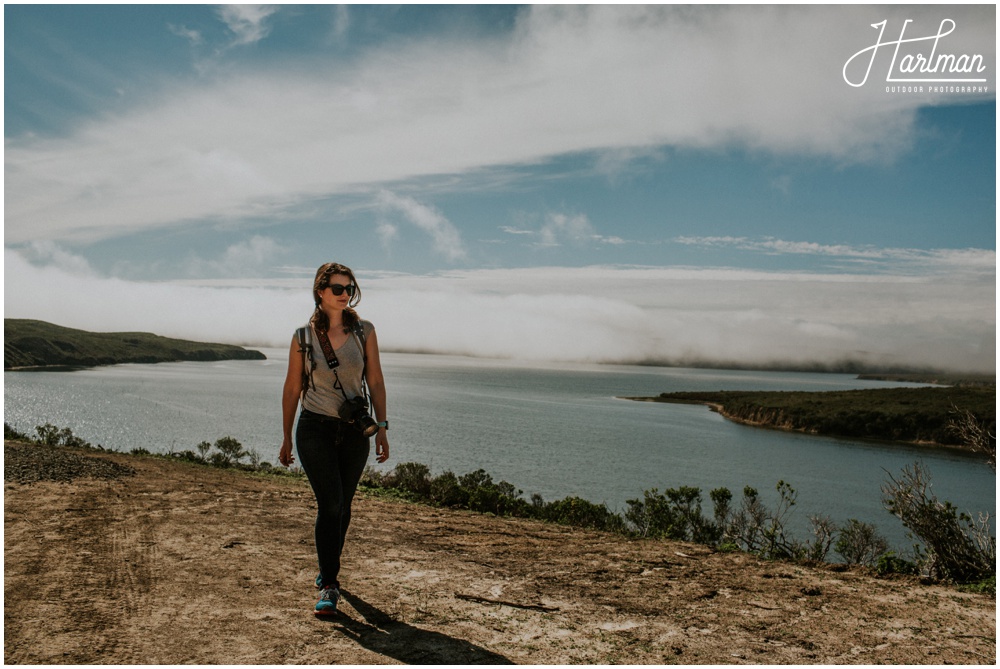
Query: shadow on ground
<point x="382" y="634"/>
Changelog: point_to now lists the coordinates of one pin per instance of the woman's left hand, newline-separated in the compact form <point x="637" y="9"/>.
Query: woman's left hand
<point x="381" y="446"/>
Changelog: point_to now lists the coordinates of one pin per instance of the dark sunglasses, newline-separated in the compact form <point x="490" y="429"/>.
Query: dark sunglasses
<point x="339" y="290"/>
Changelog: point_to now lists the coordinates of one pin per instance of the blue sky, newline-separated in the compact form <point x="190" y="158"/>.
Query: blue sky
<point x="647" y="183"/>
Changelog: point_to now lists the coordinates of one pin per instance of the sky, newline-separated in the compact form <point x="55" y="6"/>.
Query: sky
<point x="666" y="184"/>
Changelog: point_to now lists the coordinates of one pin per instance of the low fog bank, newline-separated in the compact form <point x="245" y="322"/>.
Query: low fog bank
<point x="664" y="316"/>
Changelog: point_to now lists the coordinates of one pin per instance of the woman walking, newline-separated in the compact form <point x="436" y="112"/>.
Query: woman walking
<point x="329" y="363"/>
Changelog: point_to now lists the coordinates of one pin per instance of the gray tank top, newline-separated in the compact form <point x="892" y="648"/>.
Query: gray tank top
<point x="325" y="398"/>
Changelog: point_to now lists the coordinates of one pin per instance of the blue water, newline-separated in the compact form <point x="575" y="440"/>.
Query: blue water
<point x="552" y="429"/>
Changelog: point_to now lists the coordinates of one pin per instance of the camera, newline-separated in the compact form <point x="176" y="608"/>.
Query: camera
<point x="355" y="410"/>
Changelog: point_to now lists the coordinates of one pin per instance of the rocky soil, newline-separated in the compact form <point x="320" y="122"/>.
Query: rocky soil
<point x="140" y="560"/>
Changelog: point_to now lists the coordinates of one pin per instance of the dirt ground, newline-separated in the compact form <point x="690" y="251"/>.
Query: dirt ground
<point x="188" y="564"/>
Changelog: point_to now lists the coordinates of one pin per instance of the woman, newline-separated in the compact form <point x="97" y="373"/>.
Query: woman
<point x="338" y="352"/>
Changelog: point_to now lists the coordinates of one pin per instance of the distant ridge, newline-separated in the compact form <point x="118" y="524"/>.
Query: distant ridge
<point x="37" y="344"/>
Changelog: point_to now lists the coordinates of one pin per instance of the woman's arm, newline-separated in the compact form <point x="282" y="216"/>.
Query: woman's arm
<point x="376" y="386"/>
<point x="290" y="402"/>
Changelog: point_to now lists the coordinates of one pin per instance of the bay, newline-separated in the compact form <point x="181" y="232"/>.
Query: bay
<point x="552" y="429"/>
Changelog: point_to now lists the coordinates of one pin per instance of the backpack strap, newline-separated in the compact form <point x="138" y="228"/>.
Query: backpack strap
<point x="304" y="337"/>
<point x="359" y="336"/>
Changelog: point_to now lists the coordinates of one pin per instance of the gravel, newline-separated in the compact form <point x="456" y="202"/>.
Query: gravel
<point x="29" y="463"/>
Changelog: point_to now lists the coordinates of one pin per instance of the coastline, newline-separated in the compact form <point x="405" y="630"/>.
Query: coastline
<point x="792" y="415"/>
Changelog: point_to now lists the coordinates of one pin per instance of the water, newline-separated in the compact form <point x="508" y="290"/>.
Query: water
<point x="552" y="429"/>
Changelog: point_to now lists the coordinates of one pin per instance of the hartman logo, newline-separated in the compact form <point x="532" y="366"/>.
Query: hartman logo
<point x="918" y="60"/>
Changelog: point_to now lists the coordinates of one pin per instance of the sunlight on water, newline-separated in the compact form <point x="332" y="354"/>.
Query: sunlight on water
<point x="552" y="429"/>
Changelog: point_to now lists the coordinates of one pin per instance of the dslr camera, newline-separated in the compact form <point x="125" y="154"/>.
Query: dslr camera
<point x="355" y="410"/>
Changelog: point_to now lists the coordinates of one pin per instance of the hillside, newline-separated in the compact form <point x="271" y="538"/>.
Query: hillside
<point x="914" y="415"/>
<point x="30" y="343"/>
<point x="143" y="560"/>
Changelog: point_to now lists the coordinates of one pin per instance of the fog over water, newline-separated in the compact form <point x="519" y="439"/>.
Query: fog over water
<point x="936" y="319"/>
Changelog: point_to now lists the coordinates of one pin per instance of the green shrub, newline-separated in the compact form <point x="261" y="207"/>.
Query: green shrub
<point x="824" y="531"/>
<point x="412" y="477"/>
<point x="579" y="512"/>
<point x="985" y="587"/>
<point x="48" y="434"/>
<point x="446" y="491"/>
<point x="230" y="450"/>
<point x="372" y="478"/>
<point x="759" y="530"/>
<point x="890" y="563"/>
<point x="219" y="460"/>
<point x="959" y="548"/>
<point x="203" y="448"/>
<point x="9" y="433"/>
<point x="500" y="499"/>
<point x="667" y="515"/>
<point x="860" y="543"/>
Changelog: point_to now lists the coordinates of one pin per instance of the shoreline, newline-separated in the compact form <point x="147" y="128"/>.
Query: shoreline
<point x="719" y="408"/>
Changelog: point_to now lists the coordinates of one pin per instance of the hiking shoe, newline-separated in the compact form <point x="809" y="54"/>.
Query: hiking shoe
<point x="327" y="603"/>
<point x="319" y="581"/>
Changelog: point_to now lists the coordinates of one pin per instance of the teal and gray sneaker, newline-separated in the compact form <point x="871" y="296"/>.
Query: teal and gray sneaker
<point x="327" y="604"/>
<point x="319" y="581"/>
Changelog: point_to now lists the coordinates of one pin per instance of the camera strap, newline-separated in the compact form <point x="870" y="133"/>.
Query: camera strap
<point x="333" y="363"/>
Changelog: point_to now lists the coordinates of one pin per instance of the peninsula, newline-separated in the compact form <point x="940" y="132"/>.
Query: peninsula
<point x="31" y="344"/>
<point x="912" y="415"/>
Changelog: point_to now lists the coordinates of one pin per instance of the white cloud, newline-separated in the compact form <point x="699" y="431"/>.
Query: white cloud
<point x="446" y="237"/>
<point x="247" y="22"/>
<point x="192" y="36"/>
<point x="895" y="259"/>
<point x="52" y="254"/>
<point x="575" y="229"/>
<point x="612" y="79"/>
<point x="558" y="229"/>
<point x="608" y="314"/>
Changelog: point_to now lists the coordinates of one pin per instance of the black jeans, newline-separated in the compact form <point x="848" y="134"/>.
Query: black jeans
<point x="333" y="455"/>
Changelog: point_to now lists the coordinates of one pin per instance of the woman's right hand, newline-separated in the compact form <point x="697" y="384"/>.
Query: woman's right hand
<point x="285" y="456"/>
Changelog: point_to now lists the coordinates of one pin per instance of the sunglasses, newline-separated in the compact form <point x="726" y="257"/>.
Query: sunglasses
<point x="339" y="290"/>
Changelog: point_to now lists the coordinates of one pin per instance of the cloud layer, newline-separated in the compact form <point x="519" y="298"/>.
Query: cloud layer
<point x="623" y="80"/>
<point x="942" y="320"/>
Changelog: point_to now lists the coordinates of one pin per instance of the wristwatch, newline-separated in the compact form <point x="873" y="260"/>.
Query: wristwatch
<point x="384" y="423"/>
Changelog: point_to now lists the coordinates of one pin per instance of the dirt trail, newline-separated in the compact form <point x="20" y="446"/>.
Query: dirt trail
<point x="188" y="564"/>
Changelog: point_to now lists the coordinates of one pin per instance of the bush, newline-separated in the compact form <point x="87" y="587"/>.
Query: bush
<point x="412" y="477"/>
<point x="501" y="499"/>
<point x="203" y="448"/>
<point x="860" y="543"/>
<point x="373" y="478"/>
<point x="823" y="530"/>
<point x="219" y="460"/>
<point x="48" y="434"/>
<point x="979" y="435"/>
<point x="958" y="548"/>
<point x="890" y="563"/>
<point x="9" y="433"/>
<point x="230" y="450"/>
<point x="446" y="491"/>
<point x="579" y="512"/>
<point x="676" y="514"/>
<point x="756" y="529"/>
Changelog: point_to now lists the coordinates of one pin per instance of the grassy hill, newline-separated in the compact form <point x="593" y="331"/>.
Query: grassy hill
<point x="894" y="414"/>
<point x="31" y="343"/>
